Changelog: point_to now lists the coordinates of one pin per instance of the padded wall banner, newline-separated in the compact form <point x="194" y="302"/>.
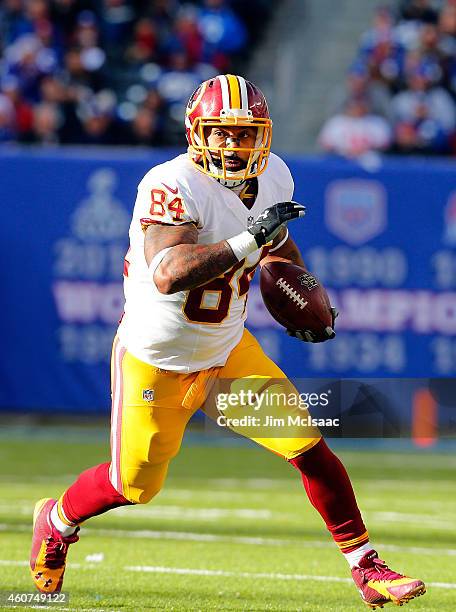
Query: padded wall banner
<point x="381" y="239"/>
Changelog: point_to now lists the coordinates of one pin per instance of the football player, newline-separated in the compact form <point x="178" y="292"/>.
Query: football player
<point x="202" y="223"/>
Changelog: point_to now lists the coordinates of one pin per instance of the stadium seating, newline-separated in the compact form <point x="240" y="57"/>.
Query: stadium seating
<point x="113" y="72"/>
<point x="403" y="82"/>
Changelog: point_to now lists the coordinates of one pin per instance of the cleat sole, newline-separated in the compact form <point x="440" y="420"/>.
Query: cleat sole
<point x="420" y="590"/>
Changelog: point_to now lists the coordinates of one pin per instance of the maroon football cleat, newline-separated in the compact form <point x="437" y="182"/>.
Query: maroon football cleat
<point x="378" y="584"/>
<point x="49" y="549"/>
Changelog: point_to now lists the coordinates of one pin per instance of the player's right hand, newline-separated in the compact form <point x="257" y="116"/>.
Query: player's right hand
<point x="266" y="227"/>
<point x="308" y="336"/>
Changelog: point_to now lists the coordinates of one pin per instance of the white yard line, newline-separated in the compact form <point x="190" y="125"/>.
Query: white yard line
<point x="12" y="563"/>
<point x="226" y="573"/>
<point x="435" y="522"/>
<point x="248" y="483"/>
<point x="255" y="575"/>
<point x="202" y="537"/>
<point x="173" y="512"/>
<point x="407" y="484"/>
<point x="82" y="566"/>
<point x="188" y="536"/>
<point x="206" y="572"/>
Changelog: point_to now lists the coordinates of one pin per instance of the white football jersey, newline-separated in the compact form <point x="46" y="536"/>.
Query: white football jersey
<point x="192" y="330"/>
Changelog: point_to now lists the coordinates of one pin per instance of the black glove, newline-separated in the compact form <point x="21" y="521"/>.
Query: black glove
<point x="307" y="336"/>
<point x="266" y="227"/>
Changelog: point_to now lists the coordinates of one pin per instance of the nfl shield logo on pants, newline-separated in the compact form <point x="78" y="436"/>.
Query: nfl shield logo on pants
<point x="355" y="210"/>
<point x="148" y="395"/>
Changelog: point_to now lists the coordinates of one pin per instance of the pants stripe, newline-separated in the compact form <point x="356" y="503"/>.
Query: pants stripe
<point x="116" y="416"/>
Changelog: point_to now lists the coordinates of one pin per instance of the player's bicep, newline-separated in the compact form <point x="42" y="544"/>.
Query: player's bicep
<point x="158" y="237"/>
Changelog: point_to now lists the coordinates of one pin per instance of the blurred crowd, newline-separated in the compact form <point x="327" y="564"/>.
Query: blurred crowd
<point x="114" y="71"/>
<point x="400" y="92"/>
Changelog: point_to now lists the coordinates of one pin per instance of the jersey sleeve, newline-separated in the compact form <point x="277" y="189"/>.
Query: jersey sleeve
<point x="164" y="202"/>
<point x="288" y="183"/>
<point x="282" y="178"/>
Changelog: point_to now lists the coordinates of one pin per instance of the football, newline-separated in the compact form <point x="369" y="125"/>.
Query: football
<point x="295" y="298"/>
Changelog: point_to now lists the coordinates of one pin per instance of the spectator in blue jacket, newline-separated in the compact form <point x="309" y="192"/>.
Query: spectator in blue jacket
<point x="223" y="33"/>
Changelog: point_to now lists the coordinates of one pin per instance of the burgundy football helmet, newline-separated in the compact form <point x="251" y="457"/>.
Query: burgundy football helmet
<point x="228" y="100"/>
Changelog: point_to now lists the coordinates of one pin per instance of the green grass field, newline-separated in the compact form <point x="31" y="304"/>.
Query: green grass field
<point x="232" y="530"/>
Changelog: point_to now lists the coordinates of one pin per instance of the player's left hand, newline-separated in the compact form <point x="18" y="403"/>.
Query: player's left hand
<point x="307" y="336"/>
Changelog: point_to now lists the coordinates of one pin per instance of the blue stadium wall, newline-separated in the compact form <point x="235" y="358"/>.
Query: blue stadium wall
<point x="381" y="238"/>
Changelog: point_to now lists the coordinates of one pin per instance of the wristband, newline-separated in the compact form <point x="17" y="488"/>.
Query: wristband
<point x="243" y="244"/>
<point x="281" y="243"/>
<point x="156" y="261"/>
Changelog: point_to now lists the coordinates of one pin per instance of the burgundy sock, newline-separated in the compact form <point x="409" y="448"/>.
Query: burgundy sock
<point x="91" y="494"/>
<point x="330" y="492"/>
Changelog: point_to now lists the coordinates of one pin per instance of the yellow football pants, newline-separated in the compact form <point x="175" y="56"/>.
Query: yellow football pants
<point x="151" y="408"/>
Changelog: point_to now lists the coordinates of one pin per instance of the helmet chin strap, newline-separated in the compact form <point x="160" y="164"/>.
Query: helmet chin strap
<point x="230" y="183"/>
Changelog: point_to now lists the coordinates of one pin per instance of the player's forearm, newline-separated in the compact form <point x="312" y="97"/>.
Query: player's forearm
<point x="186" y="266"/>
